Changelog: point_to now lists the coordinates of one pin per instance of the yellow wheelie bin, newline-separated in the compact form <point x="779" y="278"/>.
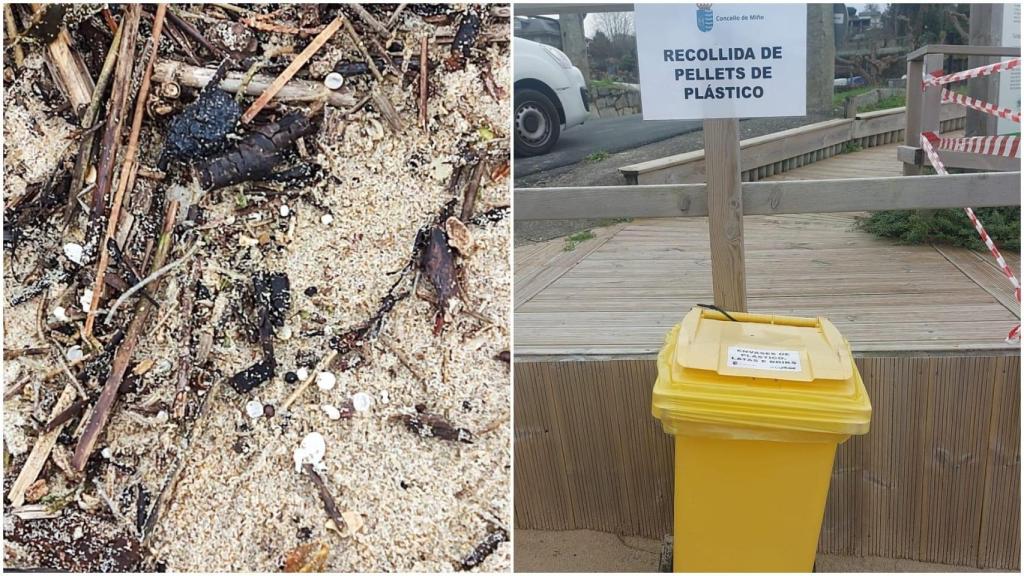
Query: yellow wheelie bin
<point x="757" y="404"/>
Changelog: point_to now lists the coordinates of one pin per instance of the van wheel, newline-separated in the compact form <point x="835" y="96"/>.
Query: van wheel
<point x="537" y="124"/>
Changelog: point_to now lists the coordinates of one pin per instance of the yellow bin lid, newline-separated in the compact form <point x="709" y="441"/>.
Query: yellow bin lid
<point x="793" y="378"/>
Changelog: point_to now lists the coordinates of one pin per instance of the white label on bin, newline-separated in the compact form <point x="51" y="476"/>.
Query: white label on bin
<point x="781" y="360"/>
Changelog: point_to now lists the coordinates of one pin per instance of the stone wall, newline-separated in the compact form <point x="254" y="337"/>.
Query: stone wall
<point x="615" y="100"/>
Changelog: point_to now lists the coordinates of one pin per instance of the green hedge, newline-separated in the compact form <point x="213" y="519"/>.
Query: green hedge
<point x="947" y="226"/>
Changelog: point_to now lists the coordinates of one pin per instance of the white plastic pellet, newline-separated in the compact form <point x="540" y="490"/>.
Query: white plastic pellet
<point x="74" y="252"/>
<point x="333" y="81"/>
<point x="326" y="219"/>
<point x="74" y="353"/>
<point x="86" y="299"/>
<point x="254" y="408"/>
<point x="332" y="412"/>
<point x="361" y="401"/>
<point x="311" y="451"/>
<point x="325" y="380"/>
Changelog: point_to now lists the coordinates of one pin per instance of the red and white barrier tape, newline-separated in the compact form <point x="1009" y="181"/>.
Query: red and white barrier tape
<point x="1005" y="146"/>
<point x="928" y="140"/>
<point x="938" y="79"/>
<point x="975" y="104"/>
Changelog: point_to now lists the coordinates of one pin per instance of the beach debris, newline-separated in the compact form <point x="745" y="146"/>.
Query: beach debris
<point x="465" y="38"/>
<point x="35" y="492"/>
<point x="74" y="353"/>
<point x="459" y="236"/>
<point x="86" y="299"/>
<point x="326" y="219"/>
<point x="332" y="412"/>
<point x="256" y="155"/>
<point x="325" y="381"/>
<point x="74" y="252"/>
<point x="34" y="512"/>
<point x="437" y="262"/>
<point x="202" y="128"/>
<point x="504" y="356"/>
<point x="325" y="496"/>
<point x="361" y="401"/>
<point x="310" y="452"/>
<point x="254" y="408"/>
<point x="484" y="549"/>
<point x="273" y="299"/>
<point x="434" y="425"/>
<point x="60" y="314"/>
<point x="308" y="557"/>
<point x="334" y="80"/>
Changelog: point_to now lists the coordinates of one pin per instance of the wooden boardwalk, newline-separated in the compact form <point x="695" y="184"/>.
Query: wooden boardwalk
<point x="619" y="293"/>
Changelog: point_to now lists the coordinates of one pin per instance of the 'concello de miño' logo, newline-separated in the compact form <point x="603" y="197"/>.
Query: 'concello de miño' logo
<point x="705" y="17"/>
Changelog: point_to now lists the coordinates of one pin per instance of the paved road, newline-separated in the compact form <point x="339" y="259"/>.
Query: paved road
<point x="604" y="134"/>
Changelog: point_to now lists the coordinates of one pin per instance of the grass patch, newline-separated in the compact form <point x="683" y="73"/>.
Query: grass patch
<point x="595" y="157"/>
<point x="574" y="240"/>
<point x="946" y="226"/>
<point x="852" y="146"/>
<point x="884" y="104"/>
<point x="839" y="98"/>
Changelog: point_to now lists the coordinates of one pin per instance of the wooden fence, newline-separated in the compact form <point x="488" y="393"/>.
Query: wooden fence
<point x="771" y="154"/>
<point x="936" y="480"/>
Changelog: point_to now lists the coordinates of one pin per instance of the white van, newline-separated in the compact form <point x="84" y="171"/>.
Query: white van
<point x="550" y="96"/>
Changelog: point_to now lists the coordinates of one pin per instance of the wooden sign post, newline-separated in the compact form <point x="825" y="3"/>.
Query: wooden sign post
<point x="716" y="62"/>
<point x="725" y="212"/>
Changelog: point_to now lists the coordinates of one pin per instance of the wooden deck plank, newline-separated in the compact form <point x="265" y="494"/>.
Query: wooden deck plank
<point x="625" y="294"/>
<point x="986" y="276"/>
<point x="552" y="261"/>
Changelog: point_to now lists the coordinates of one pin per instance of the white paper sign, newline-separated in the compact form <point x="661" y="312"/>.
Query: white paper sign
<point x="781" y="360"/>
<point x="722" y="60"/>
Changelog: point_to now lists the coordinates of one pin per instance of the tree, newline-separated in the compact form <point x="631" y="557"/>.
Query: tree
<point x="614" y="24"/>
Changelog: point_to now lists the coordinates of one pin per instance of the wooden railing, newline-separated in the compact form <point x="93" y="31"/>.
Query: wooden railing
<point x="923" y="110"/>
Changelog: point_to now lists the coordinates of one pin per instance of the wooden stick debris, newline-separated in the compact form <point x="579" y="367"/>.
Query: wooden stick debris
<point x="394" y="15"/>
<point x="47" y="376"/>
<point x="309" y="380"/>
<point x="469" y="201"/>
<point x="362" y="49"/>
<point x="147" y="280"/>
<point x="424" y="72"/>
<point x="12" y="33"/>
<point x="383" y="105"/>
<point x="101" y="411"/>
<point x="127" y="166"/>
<point x="119" y="92"/>
<point x="370" y="21"/>
<point x="40" y="451"/>
<point x="69" y="68"/>
<point x="296" y="90"/>
<point x="89" y="125"/>
<point x="325" y="495"/>
<point x="292" y="68"/>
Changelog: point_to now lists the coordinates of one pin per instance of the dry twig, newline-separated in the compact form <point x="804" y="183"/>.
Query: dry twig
<point x="370" y="21"/>
<point x="126" y="168"/>
<point x="292" y="68"/>
<point x="101" y="411"/>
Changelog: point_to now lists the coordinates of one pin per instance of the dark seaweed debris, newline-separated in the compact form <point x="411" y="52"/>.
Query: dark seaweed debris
<point x="273" y="299"/>
<point x="203" y="126"/>
<point x="257" y="154"/>
<point x="435" y="425"/>
<point x="485" y="549"/>
<point x="437" y="261"/>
